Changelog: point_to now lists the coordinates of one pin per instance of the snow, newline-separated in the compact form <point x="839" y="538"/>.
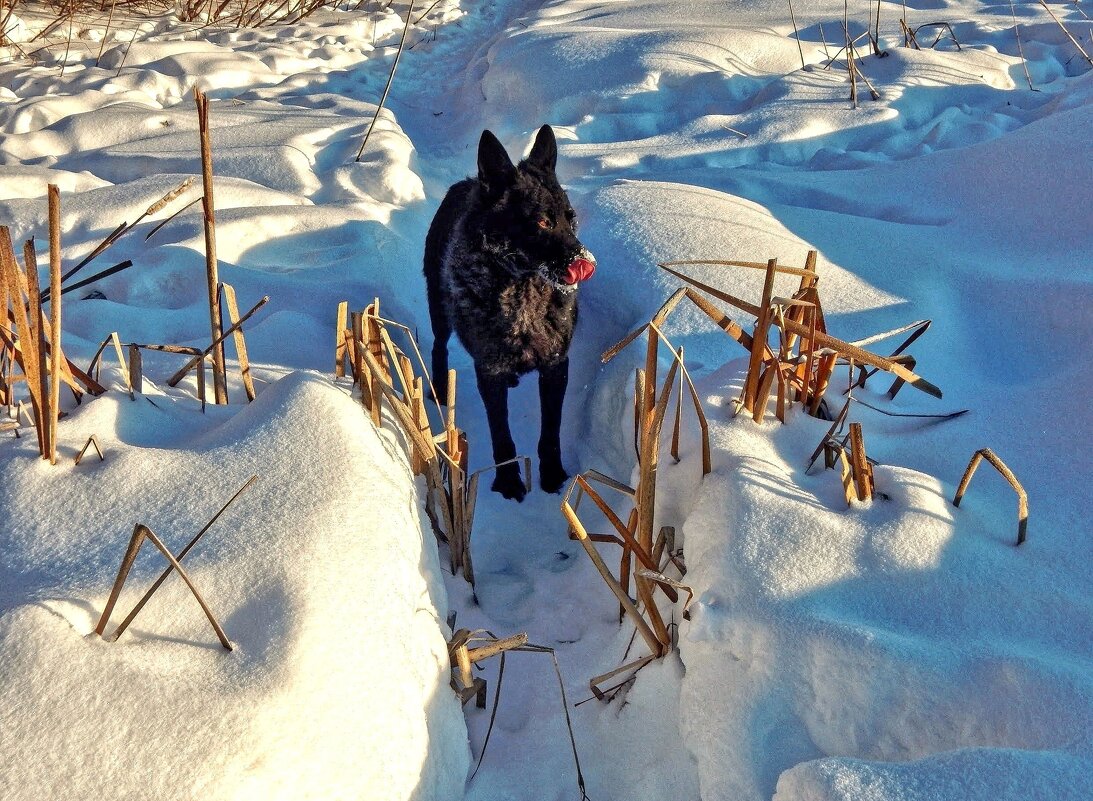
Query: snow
<point x="899" y="650"/>
<point x="314" y="575"/>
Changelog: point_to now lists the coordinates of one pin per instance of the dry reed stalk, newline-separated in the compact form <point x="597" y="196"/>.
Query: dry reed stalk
<point x="851" y="66"/>
<point x="685" y="376"/>
<point x="803" y="273"/>
<point x="823" y="340"/>
<point x="763" y="389"/>
<point x="625" y="532"/>
<point x="390" y="80"/>
<point x="55" y="316"/>
<point x="796" y="34"/>
<point x="239" y="340"/>
<point x="136" y="369"/>
<point x="109" y="240"/>
<point x="409" y="424"/>
<point x="630" y="668"/>
<point x="373" y="342"/>
<point x="1020" y="47"/>
<point x="846" y="473"/>
<point x="824" y="368"/>
<point x="90" y="441"/>
<point x="406" y="372"/>
<point x="809" y="348"/>
<point x="181" y="555"/>
<point x="29" y="363"/>
<point x="39" y="331"/>
<point x="356" y="322"/>
<point x="117" y="268"/>
<point x="759" y="338"/>
<point x="678" y="419"/>
<point x="859" y="465"/>
<point x="625" y="562"/>
<point x="835" y="427"/>
<point x="412" y="338"/>
<point x="650" y="457"/>
<point x="190" y="365"/>
<point x="220" y="378"/>
<point x="876" y="32"/>
<point x="666" y="583"/>
<point x="422" y="418"/>
<point x="106" y="32"/>
<point x="141" y="533"/>
<point x="495" y="647"/>
<point x="173" y="214"/>
<point x="339" y="340"/>
<point x="1001" y="467"/>
<point x="1069" y="35"/>
<point x="655" y="645"/>
<point x="873" y="93"/>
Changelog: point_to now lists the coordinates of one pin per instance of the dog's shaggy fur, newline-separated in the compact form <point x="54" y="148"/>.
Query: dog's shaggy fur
<point x="499" y="270"/>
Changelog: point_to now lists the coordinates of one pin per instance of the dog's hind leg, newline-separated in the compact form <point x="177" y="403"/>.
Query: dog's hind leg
<point x="552" y="386"/>
<point x="495" y="396"/>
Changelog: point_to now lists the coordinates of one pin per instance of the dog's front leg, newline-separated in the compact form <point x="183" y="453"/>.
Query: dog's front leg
<point x="552" y="385"/>
<point x="495" y="395"/>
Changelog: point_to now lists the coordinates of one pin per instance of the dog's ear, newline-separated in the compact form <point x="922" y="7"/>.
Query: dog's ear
<point x="544" y="153"/>
<point x="495" y="168"/>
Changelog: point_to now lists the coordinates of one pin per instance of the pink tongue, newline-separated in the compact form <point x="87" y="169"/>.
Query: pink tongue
<point x="579" y="270"/>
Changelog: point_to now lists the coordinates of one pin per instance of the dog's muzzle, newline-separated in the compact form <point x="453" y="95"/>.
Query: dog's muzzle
<point x="580" y="269"/>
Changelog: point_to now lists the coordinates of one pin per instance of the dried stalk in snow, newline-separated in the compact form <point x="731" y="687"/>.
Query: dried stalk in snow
<point x="390" y="79"/>
<point x="1000" y="466"/>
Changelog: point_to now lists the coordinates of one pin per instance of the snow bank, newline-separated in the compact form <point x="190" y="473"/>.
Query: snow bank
<point x="841" y="645"/>
<point x="321" y="575"/>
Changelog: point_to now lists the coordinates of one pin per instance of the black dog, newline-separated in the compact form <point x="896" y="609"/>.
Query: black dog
<point x="502" y="265"/>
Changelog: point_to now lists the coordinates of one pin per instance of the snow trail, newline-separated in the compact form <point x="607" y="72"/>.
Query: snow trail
<point x="897" y="651"/>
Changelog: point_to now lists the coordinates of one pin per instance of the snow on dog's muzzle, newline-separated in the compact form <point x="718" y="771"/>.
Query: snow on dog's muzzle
<point x="581" y="268"/>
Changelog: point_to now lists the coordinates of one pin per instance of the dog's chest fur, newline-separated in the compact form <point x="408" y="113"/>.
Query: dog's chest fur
<point x="510" y="326"/>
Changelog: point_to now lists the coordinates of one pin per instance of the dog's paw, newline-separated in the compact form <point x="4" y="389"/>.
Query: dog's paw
<point x="552" y="476"/>
<point x="509" y="483"/>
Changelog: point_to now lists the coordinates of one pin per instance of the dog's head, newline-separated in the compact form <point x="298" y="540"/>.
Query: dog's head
<point x="528" y="223"/>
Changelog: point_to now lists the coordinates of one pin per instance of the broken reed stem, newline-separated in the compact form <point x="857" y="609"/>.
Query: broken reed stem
<point x="655" y="645"/>
<point x="1020" y="47"/>
<point x="851" y="66"/>
<point x="11" y="276"/>
<point x="181" y="555"/>
<point x="340" y="347"/>
<point x="106" y="33"/>
<point x="55" y="316"/>
<point x="1001" y="467"/>
<point x="109" y="271"/>
<point x="796" y="34"/>
<point x="90" y="441"/>
<point x="1069" y="35"/>
<point x="220" y="388"/>
<point x="240" y="342"/>
<point x="136" y="369"/>
<point x="141" y="533"/>
<point x="39" y="335"/>
<point x="822" y="340"/>
<point x="859" y="466"/>
<point x="173" y="380"/>
<point x="759" y="338"/>
<point x="390" y="79"/>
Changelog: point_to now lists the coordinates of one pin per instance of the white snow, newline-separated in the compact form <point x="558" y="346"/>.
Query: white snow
<point x="901" y="650"/>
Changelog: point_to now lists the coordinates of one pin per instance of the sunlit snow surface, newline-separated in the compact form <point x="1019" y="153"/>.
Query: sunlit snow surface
<point x="901" y="651"/>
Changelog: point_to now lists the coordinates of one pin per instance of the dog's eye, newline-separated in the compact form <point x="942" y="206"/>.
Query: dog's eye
<point x="546" y="223"/>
